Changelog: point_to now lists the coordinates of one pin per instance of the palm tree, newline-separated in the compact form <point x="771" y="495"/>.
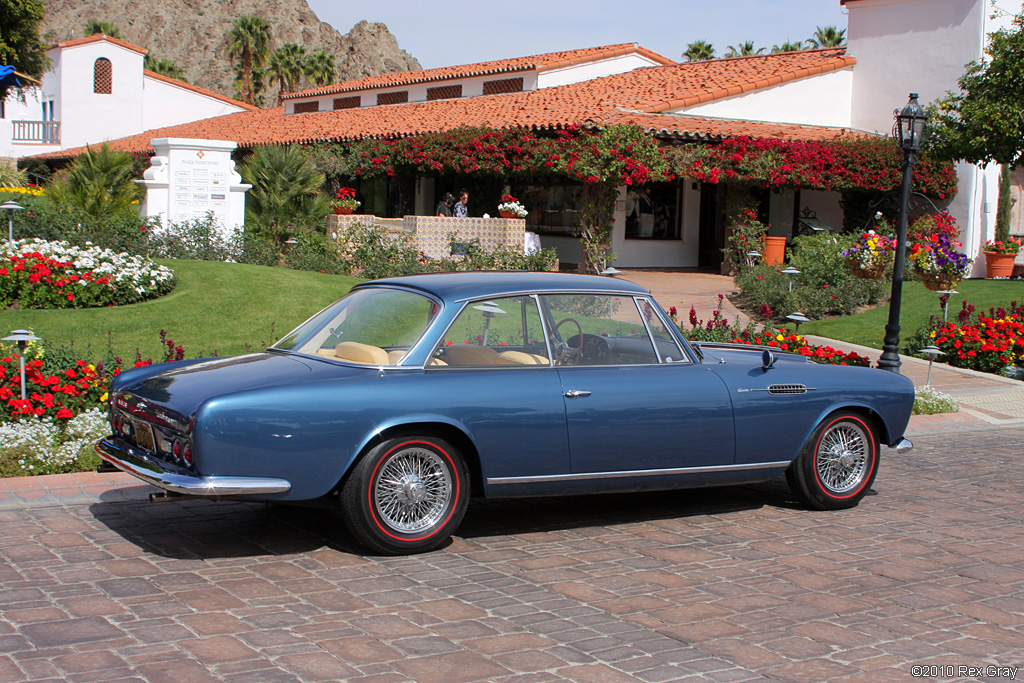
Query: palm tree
<point x="99" y="182"/>
<point x="746" y="49"/>
<point x="164" y="67"/>
<point x="698" y="51"/>
<point x="285" y="195"/>
<point x="249" y="42"/>
<point x="104" y="27"/>
<point x="828" y="36"/>
<point x="787" y="46"/>
<point x="286" y="65"/>
<point x="319" y="67"/>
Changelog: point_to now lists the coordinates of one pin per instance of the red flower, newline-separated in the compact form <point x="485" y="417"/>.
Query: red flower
<point x="64" y="414"/>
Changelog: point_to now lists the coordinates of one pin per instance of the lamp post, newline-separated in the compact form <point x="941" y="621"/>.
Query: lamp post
<point x="797" y="318"/>
<point x="22" y="337"/>
<point x="908" y="131"/>
<point x="10" y="208"/>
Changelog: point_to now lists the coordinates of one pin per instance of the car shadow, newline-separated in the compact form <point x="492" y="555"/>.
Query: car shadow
<point x="204" y="530"/>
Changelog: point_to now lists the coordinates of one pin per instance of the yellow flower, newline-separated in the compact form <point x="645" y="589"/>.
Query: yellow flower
<point x="932" y="335"/>
<point x="779" y="337"/>
<point x="103" y="398"/>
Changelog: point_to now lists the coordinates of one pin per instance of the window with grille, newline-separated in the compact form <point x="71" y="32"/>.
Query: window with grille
<point x="393" y="97"/>
<point x="348" y="102"/>
<point x="504" y="85"/>
<point x="307" y="107"/>
<point x="444" y="92"/>
<point x="102" y="77"/>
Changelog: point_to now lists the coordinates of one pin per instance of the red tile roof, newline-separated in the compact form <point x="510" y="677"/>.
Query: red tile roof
<point x="544" y="62"/>
<point x="643" y="96"/>
<point x="196" y="89"/>
<point x="101" y="37"/>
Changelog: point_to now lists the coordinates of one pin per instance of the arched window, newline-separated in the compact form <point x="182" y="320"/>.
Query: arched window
<point x="102" y="77"/>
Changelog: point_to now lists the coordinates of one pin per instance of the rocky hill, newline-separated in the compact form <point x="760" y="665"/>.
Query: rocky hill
<point x="193" y="34"/>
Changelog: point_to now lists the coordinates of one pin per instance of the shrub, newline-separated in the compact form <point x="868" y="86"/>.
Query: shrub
<point x="371" y="252"/>
<point x="200" y="239"/>
<point x="285" y="197"/>
<point x="314" y="251"/>
<point x="931" y="401"/>
<point x="824" y="286"/>
<point x="99" y="182"/>
<point x="475" y="257"/>
<point x="987" y="343"/>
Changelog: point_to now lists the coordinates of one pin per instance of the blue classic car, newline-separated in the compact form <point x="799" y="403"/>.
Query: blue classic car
<point x="411" y="394"/>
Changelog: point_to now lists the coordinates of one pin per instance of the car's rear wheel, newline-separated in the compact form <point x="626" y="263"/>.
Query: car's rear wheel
<point x="406" y="495"/>
<point x="838" y="463"/>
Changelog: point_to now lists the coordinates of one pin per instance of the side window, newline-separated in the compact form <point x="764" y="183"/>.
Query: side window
<point x="495" y="332"/>
<point x="598" y="329"/>
<point x="664" y="340"/>
<point x="102" y="77"/>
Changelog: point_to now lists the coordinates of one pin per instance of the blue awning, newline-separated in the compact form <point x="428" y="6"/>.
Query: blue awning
<point x="9" y="77"/>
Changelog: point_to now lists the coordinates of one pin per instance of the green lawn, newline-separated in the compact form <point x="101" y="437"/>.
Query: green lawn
<point x="868" y="328"/>
<point x="215" y="308"/>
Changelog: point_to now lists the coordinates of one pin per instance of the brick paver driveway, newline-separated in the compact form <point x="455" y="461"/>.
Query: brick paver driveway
<point x="724" y="585"/>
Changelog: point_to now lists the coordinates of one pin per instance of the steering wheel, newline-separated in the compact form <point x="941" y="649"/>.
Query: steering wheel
<point x="563" y="350"/>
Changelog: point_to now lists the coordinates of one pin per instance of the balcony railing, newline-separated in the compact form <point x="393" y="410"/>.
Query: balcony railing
<point x="46" y="132"/>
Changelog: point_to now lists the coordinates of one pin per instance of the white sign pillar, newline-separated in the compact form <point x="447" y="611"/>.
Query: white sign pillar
<point x="189" y="178"/>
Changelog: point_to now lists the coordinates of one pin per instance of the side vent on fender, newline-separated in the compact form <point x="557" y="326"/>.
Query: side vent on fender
<point x="787" y="389"/>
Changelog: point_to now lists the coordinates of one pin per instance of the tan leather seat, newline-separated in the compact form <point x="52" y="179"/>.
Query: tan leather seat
<point x="364" y="354"/>
<point x="520" y="358"/>
<point x="469" y="354"/>
<point x="395" y="356"/>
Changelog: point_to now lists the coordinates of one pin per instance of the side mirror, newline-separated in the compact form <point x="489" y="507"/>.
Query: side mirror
<point x="767" y="359"/>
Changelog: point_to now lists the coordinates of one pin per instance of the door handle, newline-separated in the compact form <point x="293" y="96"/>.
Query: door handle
<point x="576" y="393"/>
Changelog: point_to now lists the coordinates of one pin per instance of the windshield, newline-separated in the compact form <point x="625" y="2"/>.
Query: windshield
<point x="372" y="326"/>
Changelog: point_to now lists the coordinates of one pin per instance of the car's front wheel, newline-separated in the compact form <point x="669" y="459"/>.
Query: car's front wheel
<point x="838" y="463"/>
<point x="406" y="495"/>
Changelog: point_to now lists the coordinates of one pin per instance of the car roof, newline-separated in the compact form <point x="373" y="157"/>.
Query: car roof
<point x="474" y="284"/>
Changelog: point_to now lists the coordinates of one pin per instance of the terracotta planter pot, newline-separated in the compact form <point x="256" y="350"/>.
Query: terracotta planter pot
<point x="506" y="214"/>
<point x="774" y="251"/>
<point x="938" y="283"/>
<point x="342" y="210"/>
<point x="998" y="265"/>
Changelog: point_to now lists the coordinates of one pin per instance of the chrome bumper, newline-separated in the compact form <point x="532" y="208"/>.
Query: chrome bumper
<point x="121" y="456"/>
<point x="903" y="446"/>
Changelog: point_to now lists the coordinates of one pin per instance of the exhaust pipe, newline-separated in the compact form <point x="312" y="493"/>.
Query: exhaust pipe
<point x="165" y="496"/>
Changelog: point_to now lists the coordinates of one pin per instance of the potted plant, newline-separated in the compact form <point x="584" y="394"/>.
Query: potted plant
<point x="870" y="255"/>
<point x="999" y="257"/>
<point x="345" y="201"/>
<point x="938" y="262"/>
<point x="511" y="208"/>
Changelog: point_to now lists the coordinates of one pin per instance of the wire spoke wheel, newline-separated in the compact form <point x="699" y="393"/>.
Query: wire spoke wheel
<point x="837" y="465"/>
<point x="842" y="458"/>
<point x="412" y="490"/>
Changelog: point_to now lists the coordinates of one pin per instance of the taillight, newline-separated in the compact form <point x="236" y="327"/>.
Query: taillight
<point x="186" y="454"/>
<point x="176" y="449"/>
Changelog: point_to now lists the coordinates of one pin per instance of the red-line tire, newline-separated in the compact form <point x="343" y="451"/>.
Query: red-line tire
<point x="837" y="465"/>
<point x="406" y="495"/>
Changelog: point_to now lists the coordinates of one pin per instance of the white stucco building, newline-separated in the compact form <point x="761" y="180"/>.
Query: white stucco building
<point x="97" y="90"/>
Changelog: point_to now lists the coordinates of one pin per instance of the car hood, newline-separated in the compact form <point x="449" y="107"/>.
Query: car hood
<point x="181" y="389"/>
<point x="717" y="352"/>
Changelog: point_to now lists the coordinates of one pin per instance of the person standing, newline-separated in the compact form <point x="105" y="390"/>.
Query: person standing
<point x="444" y="207"/>
<point x="461" y="210"/>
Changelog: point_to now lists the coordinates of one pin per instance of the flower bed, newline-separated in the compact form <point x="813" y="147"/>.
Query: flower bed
<point x="988" y="343"/>
<point x="45" y="446"/>
<point x="40" y="274"/>
<point x="718" y="329"/>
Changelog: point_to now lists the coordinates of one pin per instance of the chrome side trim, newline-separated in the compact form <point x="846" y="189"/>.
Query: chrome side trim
<point x="903" y="446"/>
<point x="637" y="473"/>
<point x="215" y="486"/>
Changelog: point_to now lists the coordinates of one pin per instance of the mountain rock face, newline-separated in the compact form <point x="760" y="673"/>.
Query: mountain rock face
<point x="193" y="33"/>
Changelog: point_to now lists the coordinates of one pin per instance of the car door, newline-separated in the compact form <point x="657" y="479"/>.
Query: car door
<point x="635" y="402"/>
